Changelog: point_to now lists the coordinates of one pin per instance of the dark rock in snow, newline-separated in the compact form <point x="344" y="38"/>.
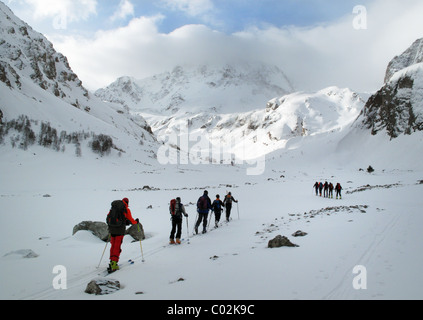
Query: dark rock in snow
<point x="281" y="241"/>
<point x="102" y="286"/>
<point x="299" y="233"/>
<point x="99" y="229"/>
<point x="25" y="253"/>
<point x="135" y="233"/>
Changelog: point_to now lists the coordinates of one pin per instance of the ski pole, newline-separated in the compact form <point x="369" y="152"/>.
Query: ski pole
<point x="237" y="206"/>
<point x="107" y="242"/>
<point x="142" y="252"/>
<point x="187" y="229"/>
<point x="211" y="214"/>
<point x="196" y="220"/>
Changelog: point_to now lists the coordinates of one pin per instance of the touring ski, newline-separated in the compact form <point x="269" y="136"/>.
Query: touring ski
<point x="108" y="271"/>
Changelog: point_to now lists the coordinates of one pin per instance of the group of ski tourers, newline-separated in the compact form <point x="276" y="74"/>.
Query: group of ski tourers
<point x="120" y="216"/>
<point x="204" y="205"/>
<point x="326" y="189"/>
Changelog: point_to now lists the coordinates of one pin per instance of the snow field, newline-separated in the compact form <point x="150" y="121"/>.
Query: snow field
<point x="232" y="262"/>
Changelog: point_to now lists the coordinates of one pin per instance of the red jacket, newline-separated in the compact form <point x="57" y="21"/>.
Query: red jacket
<point x="128" y="214"/>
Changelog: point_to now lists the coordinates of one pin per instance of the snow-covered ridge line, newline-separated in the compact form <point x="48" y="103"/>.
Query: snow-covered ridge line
<point x="37" y="82"/>
<point x="223" y="89"/>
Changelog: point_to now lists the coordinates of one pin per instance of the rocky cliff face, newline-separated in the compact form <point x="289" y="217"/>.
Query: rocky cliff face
<point x="398" y="106"/>
<point x="25" y="53"/>
<point x="411" y="56"/>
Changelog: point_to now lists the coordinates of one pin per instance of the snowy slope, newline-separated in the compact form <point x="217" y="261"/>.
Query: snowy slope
<point x="232" y="262"/>
<point x="256" y="133"/>
<point x="37" y="82"/>
<point x="27" y="54"/>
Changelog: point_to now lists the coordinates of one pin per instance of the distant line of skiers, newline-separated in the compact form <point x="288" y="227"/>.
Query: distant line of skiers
<point x="326" y="189"/>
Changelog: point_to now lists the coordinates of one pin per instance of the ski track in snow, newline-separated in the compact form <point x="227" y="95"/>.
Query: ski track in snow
<point x="341" y="291"/>
<point x="332" y="283"/>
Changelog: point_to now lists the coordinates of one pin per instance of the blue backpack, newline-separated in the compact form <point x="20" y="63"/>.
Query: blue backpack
<point x="217" y="205"/>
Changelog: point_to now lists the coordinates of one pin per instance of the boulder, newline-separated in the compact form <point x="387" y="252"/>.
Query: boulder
<point x="281" y="241"/>
<point x="24" y="253"/>
<point x="299" y="233"/>
<point x="102" y="286"/>
<point x="133" y="231"/>
<point x="99" y="229"/>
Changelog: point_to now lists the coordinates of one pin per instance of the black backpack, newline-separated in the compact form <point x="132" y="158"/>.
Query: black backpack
<point x="116" y="216"/>
<point x="202" y="203"/>
<point x="228" y="200"/>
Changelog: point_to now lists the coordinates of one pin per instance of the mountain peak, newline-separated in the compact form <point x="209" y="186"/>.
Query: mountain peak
<point x="411" y="56"/>
<point x="397" y="107"/>
<point x="39" y="89"/>
<point x="226" y="87"/>
<point x="27" y="54"/>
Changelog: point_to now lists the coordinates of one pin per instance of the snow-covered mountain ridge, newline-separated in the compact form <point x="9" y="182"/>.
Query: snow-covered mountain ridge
<point x="39" y="90"/>
<point x="398" y="106"/>
<point x="27" y="53"/>
<point x="413" y="55"/>
<point x="207" y="88"/>
<point x="231" y="106"/>
<point x="261" y="131"/>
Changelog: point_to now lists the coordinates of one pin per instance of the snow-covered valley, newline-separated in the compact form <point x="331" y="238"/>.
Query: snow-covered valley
<point x="66" y="154"/>
<point x="378" y="228"/>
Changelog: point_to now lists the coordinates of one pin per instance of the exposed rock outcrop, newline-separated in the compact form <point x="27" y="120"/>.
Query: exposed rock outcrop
<point x="102" y="286"/>
<point x="281" y="241"/>
<point x="101" y="230"/>
<point x="398" y="106"/>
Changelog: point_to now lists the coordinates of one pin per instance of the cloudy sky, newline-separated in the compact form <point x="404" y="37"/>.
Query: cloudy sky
<point x="318" y="43"/>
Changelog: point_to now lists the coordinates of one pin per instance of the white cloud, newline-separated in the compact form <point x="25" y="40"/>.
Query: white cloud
<point x="314" y="58"/>
<point x="71" y="10"/>
<point x="190" y="7"/>
<point x="126" y="8"/>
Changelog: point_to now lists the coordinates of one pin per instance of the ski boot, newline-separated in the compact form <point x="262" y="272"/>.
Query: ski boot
<point x="113" y="267"/>
<point x="172" y="241"/>
<point x="178" y="241"/>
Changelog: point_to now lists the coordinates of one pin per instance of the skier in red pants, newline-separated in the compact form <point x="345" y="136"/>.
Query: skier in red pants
<point x="117" y="233"/>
